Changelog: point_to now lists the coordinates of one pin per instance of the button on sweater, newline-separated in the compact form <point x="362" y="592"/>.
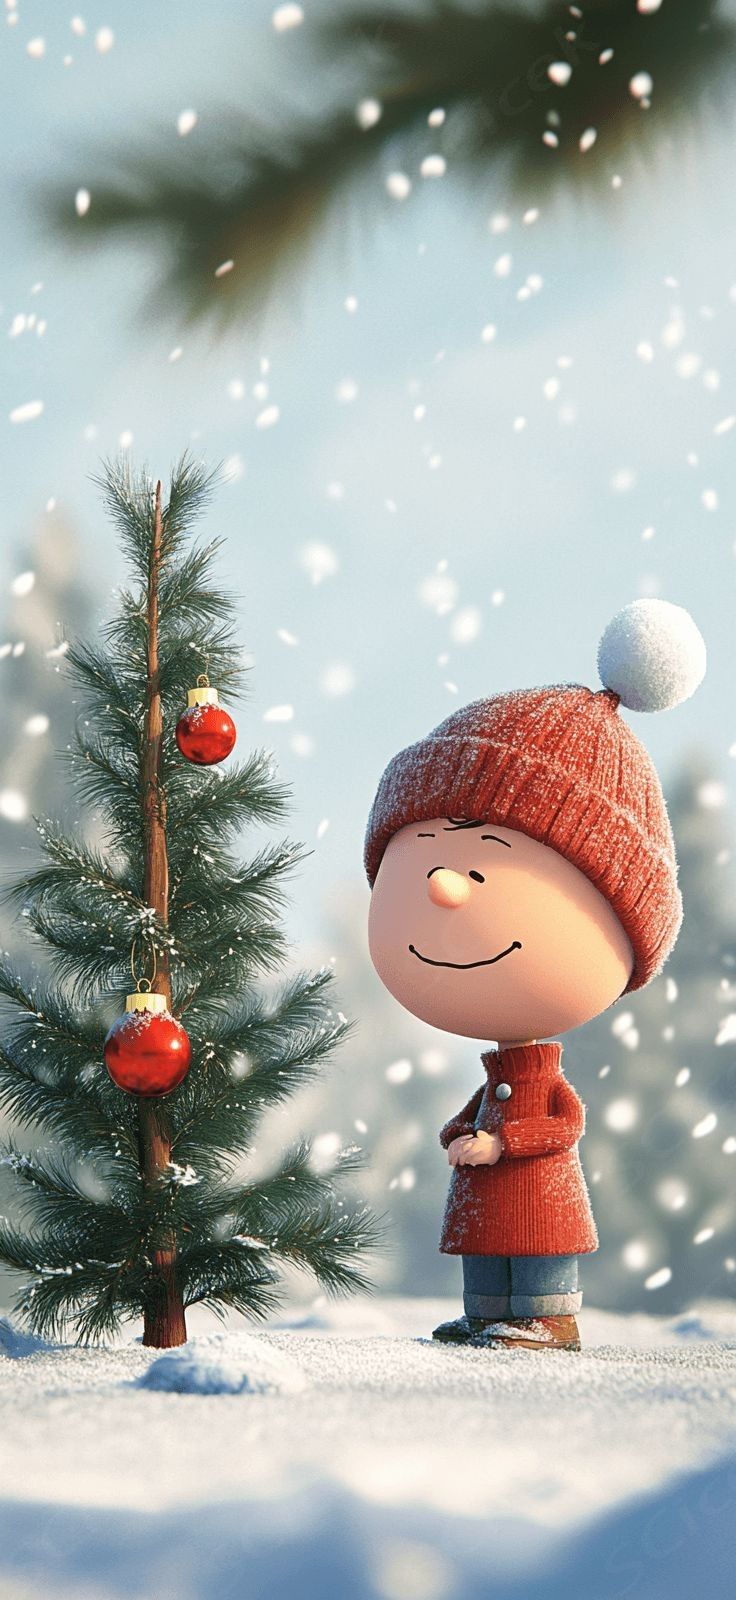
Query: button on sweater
<point x="534" y="1201"/>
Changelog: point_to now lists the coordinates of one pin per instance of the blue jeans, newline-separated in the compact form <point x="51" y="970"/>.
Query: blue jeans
<point x="520" y="1286"/>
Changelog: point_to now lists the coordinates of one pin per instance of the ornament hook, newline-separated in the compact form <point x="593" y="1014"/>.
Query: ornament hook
<point x="143" y="985"/>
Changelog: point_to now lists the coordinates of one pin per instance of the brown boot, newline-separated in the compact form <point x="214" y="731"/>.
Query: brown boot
<point x="530" y="1333"/>
<point x="463" y="1330"/>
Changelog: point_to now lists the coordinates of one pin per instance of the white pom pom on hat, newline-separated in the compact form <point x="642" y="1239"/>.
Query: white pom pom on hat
<point x="652" y="655"/>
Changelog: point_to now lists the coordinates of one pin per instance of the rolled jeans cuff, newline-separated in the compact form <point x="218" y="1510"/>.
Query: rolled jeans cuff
<point x="546" y="1305"/>
<point x="487" y="1305"/>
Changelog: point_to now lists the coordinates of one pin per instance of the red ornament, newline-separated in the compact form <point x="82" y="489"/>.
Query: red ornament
<point x="205" y="732"/>
<point x="147" y="1051"/>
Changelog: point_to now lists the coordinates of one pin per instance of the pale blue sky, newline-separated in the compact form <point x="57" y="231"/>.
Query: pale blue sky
<point x="531" y="513"/>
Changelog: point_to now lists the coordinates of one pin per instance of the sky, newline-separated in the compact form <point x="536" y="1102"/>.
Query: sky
<point x="437" y="513"/>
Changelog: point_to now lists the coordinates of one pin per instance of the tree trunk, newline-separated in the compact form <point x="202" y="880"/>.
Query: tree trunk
<point x="164" y="1324"/>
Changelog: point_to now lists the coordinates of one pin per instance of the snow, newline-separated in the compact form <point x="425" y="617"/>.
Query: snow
<point x="368" y="113"/>
<point x="228" y="1364"/>
<point x="286" y="17"/>
<point x="398" y="185"/>
<point x="342" y="1451"/>
<point x="27" y="412"/>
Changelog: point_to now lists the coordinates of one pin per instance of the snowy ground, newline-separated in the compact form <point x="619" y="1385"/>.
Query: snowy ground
<point x="343" y="1457"/>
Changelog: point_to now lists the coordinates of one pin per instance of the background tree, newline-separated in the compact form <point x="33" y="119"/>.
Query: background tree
<point x="657" y="1075"/>
<point x="48" y="602"/>
<point x="140" y="1206"/>
<point x="545" y="94"/>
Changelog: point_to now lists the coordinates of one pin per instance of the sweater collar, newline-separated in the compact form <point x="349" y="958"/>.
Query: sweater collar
<point x="523" y="1061"/>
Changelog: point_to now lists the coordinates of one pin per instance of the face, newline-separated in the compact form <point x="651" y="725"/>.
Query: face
<point x="484" y="932"/>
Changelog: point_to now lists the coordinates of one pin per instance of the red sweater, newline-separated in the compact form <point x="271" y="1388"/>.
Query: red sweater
<point x="534" y="1201"/>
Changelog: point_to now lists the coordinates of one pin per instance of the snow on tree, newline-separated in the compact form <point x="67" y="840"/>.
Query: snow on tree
<point x="139" y="1206"/>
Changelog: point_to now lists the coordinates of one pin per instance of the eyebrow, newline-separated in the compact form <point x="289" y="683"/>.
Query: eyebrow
<point x="459" y="822"/>
<point x="426" y="836"/>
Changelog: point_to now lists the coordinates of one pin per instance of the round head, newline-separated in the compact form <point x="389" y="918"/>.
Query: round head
<point x="483" y="931"/>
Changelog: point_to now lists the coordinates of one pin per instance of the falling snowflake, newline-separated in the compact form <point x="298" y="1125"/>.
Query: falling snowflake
<point x="13" y="805"/>
<point x="399" y="1071"/>
<point x="466" y="625"/>
<point x="727" y="1032"/>
<point x="27" y="412"/>
<point x="346" y="391"/>
<point x="368" y="113"/>
<point x="337" y="679"/>
<point x="439" y="591"/>
<point x="641" y="85"/>
<point x="319" y="561"/>
<point x="286" y="17"/>
<point x="635" y="1255"/>
<point x="23" y="583"/>
<point x="398" y="185"/>
<point x="621" y="1115"/>
<point x="657" y="1280"/>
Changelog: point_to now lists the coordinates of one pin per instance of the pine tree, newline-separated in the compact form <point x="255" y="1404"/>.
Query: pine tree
<point x="139" y="1206"/>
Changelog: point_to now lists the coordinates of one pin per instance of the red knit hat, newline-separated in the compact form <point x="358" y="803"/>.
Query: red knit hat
<point x="561" y="765"/>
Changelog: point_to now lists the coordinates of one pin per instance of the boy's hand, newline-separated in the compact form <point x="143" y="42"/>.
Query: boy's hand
<point x="475" y="1150"/>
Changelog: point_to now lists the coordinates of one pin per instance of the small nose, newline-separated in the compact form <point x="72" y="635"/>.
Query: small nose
<point x="447" y="888"/>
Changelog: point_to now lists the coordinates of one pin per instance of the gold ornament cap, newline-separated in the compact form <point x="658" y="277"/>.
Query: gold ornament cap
<point x="204" y="696"/>
<point x="144" y="1000"/>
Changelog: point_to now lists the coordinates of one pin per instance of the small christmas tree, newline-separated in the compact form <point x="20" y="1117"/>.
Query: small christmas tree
<point x="137" y="1208"/>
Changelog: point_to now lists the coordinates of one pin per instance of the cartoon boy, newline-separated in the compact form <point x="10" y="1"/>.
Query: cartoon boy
<point x="524" y="878"/>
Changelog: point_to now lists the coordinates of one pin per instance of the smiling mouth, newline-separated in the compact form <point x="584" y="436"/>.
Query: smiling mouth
<point x="464" y="966"/>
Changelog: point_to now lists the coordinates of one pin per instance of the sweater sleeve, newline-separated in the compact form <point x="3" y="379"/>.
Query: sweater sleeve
<point x="463" y="1122"/>
<point x="546" y="1136"/>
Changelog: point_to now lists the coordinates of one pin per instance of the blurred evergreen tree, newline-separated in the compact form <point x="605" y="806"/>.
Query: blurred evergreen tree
<point x="660" y="1150"/>
<point x="49" y="602"/>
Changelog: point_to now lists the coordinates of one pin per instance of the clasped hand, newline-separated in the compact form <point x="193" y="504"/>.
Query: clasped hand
<point x="475" y="1150"/>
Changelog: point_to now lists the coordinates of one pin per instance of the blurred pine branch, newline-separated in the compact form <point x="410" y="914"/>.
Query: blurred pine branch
<point x="257" y="195"/>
